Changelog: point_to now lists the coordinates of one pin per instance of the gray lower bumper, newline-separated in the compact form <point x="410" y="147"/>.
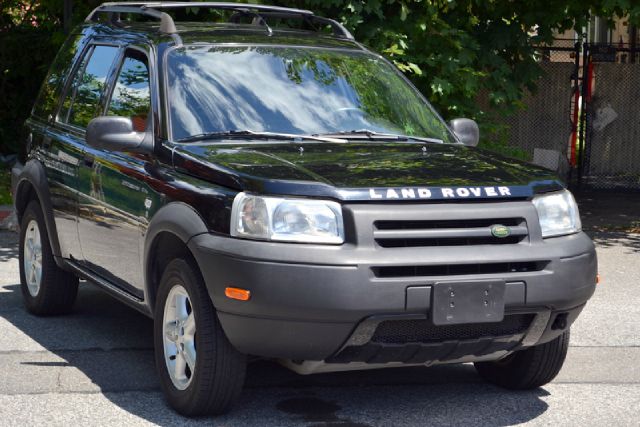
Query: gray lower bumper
<point x="307" y="300"/>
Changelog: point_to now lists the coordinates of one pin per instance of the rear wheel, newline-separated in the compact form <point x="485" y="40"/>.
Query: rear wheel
<point x="46" y="288"/>
<point x="527" y="369"/>
<point x="200" y="371"/>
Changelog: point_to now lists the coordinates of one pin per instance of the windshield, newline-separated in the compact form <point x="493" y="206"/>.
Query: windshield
<point x="292" y="90"/>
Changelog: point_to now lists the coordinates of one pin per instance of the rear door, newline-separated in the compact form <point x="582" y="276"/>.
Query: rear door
<point x="114" y="197"/>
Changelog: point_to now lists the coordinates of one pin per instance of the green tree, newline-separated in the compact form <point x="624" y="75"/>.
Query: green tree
<point x="451" y="49"/>
<point x="31" y="33"/>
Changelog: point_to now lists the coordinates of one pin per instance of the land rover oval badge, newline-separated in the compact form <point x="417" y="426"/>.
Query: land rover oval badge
<point x="500" y="231"/>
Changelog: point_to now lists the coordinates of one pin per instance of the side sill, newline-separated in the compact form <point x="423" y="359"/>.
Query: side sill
<point x="113" y="290"/>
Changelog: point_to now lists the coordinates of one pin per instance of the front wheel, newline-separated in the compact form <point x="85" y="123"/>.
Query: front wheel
<point x="200" y="371"/>
<point x="529" y="368"/>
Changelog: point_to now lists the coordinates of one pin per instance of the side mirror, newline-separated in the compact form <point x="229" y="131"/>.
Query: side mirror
<point x="466" y="130"/>
<point x="116" y="134"/>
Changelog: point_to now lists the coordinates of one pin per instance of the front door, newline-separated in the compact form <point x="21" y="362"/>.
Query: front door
<point x="113" y="196"/>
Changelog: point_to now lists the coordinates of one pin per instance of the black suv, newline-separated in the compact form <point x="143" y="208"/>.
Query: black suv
<point x="267" y="186"/>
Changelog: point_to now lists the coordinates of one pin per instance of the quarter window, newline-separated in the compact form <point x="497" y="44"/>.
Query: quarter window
<point x="83" y="98"/>
<point x="131" y="96"/>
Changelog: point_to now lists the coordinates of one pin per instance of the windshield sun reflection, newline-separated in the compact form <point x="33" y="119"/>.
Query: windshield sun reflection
<point x="293" y="91"/>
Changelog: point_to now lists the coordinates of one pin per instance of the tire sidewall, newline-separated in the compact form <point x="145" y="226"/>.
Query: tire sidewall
<point x="178" y="272"/>
<point x="530" y="368"/>
<point x="33" y="212"/>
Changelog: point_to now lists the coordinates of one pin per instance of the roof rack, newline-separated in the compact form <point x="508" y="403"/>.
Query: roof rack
<point x="258" y="11"/>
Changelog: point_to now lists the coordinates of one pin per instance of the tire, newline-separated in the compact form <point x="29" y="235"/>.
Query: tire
<point x="216" y="380"/>
<point x="46" y="288"/>
<point x="527" y="369"/>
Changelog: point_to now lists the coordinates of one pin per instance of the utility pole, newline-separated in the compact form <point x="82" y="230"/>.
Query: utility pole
<point x="67" y="15"/>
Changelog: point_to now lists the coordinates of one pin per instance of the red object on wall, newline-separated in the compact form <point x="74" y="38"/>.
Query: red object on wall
<point x="574" y="133"/>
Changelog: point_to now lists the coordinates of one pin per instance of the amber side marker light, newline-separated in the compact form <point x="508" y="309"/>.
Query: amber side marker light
<point x="237" y="293"/>
<point x="597" y="279"/>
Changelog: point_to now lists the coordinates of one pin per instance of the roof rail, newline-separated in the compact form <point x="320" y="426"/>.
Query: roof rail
<point x="167" y="24"/>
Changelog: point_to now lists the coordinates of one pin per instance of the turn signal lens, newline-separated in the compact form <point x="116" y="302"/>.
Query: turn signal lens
<point x="237" y="293"/>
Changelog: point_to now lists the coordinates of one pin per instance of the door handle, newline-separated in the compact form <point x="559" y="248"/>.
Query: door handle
<point x="88" y="161"/>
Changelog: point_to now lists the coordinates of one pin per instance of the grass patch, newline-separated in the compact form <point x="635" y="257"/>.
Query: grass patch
<point x="5" y="187"/>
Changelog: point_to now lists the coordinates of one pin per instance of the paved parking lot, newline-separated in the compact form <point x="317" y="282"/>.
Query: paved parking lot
<point x="96" y="367"/>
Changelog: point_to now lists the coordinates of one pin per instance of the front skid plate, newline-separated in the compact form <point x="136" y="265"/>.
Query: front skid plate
<point x="428" y="353"/>
<point x="308" y="367"/>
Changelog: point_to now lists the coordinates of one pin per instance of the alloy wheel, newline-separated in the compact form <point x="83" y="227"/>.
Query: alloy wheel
<point x="33" y="258"/>
<point x="179" y="333"/>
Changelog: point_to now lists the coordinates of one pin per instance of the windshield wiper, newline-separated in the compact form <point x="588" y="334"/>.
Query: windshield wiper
<point x="372" y="135"/>
<point x="260" y="135"/>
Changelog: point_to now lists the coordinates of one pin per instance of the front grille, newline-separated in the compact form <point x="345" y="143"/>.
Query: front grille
<point x="424" y="331"/>
<point x="447" y="223"/>
<point x="412" y="243"/>
<point x="458" y="269"/>
<point x="395" y="234"/>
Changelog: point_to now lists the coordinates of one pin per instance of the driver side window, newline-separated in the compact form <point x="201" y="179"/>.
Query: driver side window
<point x="131" y="95"/>
<point x="82" y="101"/>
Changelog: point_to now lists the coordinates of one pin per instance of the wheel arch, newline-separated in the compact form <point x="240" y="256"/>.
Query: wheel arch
<point x="167" y="237"/>
<point x="32" y="184"/>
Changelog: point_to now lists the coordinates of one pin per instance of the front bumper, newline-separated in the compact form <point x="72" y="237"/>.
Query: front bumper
<point x="308" y="302"/>
<point x="318" y="302"/>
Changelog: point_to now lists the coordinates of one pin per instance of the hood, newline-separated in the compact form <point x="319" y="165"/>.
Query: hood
<point x="364" y="171"/>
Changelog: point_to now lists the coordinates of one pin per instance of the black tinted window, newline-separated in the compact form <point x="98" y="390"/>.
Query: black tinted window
<point x="83" y="97"/>
<point x="131" y="97"/>
<point x="52" y="86"/>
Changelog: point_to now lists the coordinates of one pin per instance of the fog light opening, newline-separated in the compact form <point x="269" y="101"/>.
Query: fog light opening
<point x="560" y="322"/>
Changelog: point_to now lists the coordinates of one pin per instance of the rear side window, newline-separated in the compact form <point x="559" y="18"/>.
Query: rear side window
<point x="83" y="96"/>
<point x="131" y="95"/>
<point x="47" y="100"/>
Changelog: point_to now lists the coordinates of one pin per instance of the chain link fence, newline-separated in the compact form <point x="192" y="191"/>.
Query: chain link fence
<point x="612" y="125"/>
<point x="543" y="129"/>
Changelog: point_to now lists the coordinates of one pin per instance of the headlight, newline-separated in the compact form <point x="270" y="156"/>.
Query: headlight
<point x="287" y="220"/>
<point x="558" y="213"/>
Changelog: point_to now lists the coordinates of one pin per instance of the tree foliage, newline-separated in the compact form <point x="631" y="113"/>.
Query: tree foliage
<point x="31" y="33"/>
<point x="454" y="49"/>
<point x="451" y="49"/>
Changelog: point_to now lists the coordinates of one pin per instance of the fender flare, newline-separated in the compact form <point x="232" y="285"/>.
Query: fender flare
<point x="33" y="173"/>
<point x="178" y="219"/>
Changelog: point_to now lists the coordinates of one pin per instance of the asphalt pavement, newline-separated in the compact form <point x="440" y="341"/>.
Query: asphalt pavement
<point x="95" y="367"/>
